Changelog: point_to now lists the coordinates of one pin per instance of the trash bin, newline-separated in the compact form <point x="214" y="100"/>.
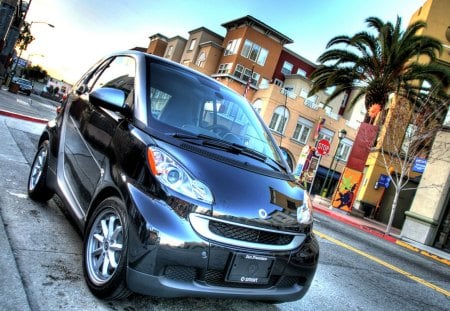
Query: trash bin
<point x="13" y="87"/>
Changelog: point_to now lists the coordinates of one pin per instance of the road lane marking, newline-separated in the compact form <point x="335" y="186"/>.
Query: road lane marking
<point x="383" y="263"/>
<point x="23" y="102"/>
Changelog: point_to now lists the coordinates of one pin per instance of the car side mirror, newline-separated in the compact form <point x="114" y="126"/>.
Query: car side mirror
<point x="110" y="98"/>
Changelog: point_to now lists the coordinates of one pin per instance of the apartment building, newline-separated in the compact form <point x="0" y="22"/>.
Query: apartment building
<point x="253" y="59"/>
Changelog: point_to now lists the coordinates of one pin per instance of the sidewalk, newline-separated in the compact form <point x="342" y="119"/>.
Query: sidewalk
<point x="12" y="289"/>
<point x="375" y="228"/>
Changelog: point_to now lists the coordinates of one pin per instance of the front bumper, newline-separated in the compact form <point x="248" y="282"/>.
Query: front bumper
<point x="168" y="258"/>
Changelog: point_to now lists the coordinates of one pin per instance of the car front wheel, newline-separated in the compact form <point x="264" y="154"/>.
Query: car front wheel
<point x="105" y="249"/>
<point x="37" y="180"/>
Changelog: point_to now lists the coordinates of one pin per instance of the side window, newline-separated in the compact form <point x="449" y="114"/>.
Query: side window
<point x="119" y="74"/>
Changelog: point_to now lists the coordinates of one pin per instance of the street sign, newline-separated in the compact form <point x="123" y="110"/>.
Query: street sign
<point x="323" y="147"/>
<point x="384" y="181"/>
<point x="419" y="165"/>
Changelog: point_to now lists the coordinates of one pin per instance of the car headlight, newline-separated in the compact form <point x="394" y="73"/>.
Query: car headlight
<point x="304" y="212"/>
<point x="173" y="175"/>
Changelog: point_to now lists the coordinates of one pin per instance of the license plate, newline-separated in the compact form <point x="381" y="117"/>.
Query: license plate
<point x="250" y="269"/>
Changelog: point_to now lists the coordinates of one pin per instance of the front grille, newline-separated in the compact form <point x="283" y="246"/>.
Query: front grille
<point x="180" y="273"/>
<point x="217" y="278"/>
<point x="235" y="232"/>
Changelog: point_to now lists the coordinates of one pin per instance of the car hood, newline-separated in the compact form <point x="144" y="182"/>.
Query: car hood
<point x="243" y="193"/>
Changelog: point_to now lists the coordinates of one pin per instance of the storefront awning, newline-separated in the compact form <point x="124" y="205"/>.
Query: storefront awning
<point x="322" y="172"/>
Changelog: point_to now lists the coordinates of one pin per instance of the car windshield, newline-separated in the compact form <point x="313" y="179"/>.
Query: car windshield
<point x="195" y="105"/>
<point x="23" y="81"/>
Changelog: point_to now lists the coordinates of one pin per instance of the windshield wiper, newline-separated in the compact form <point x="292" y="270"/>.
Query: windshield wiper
<point x="210" y="141"/>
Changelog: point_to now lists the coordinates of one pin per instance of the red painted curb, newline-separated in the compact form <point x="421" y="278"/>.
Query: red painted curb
<point x="356" y="225"/>
<point x="22" y="117"/>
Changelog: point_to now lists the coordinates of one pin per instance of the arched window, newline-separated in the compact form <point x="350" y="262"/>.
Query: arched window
<point x="257" y="104"/>
<point x="201" y="59"/>
<point x="279" y="120"/>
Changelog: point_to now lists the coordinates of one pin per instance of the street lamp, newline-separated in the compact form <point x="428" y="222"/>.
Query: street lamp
<point x="326" y="184"/>
<point x="50" y="25"/>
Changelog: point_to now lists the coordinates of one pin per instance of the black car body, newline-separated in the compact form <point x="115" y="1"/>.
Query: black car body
<point x="178" y="186"/>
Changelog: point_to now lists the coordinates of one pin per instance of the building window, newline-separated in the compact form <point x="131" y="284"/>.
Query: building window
<point x="279" y="119"/>
<point x="287" y="68"/>
<point x="326" y="134"/>
<point x="344" y="149"/>
<point x="201" y="59"/>
<point x="301" y="72"/>
<point x="411" y="131"/>
<point x="304" y="93"/>
<point x="232" y="47"/>
<point x="330" y="90"/>
<point x="169" y="51"/>
<point x="264" y="84"/>
<point x="238" y="71"/>
<point x="278" y="82"/>
<point x="254" y="52"/>
<point x="255" y="78"/>
<point x="245" y="73"/>
<point x="192" y="45"/>
<point x="257" y="105"/>
<point x="303" y="130"/>
<point x="311" y="102"/>
<point x="262" y="57"/>
<point x="224" y="68"/>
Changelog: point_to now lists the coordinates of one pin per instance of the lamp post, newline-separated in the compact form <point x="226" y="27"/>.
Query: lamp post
<point x="284" y="115"/>
<point x="20" y="54"/>
<point x="326" y="184"/>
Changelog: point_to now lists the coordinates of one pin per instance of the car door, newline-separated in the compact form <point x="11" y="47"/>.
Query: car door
<point x="89" y="129"/>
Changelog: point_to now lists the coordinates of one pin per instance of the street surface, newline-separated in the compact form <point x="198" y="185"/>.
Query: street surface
<point x="357" y="271"/>
<point x="33" y="105"/>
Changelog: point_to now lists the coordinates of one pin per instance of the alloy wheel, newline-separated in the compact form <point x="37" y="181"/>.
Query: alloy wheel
<point x="38" y="167"/>
<point x="104" y="246"/>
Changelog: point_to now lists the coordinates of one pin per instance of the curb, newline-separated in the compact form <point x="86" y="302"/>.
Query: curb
<point x="359" y="226"/>
<point x="423" y="252"/>
<point x="23" y="117"/>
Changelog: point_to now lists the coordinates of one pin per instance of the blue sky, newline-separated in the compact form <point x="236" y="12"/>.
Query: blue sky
<point x="87" y="30"/>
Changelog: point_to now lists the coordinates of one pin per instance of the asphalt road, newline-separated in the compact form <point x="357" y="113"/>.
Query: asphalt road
<point x="357" y="271"/>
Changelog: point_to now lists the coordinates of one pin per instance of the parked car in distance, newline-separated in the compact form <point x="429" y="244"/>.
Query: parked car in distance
<point x="177" y="185"/>
<point x="25" y="86"/>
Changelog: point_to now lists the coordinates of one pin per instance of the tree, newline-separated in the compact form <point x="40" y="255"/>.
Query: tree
<point x="35" y="73"/>
<point x="380" y="63"/>
<point x="408" y="135"/>
<point x="25" y="37"/>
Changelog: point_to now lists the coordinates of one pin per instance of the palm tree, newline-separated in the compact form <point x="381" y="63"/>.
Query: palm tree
<point x="381" y="62"/>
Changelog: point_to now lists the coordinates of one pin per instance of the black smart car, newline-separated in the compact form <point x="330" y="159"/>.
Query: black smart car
<point x="178" y="186"/>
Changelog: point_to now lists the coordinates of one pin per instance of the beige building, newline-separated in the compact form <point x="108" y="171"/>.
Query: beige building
<point x="428" y="219"/>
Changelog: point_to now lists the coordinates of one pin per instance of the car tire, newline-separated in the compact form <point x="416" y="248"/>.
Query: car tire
<point x="37" y="180"/>
<point x="105" y="250"/>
